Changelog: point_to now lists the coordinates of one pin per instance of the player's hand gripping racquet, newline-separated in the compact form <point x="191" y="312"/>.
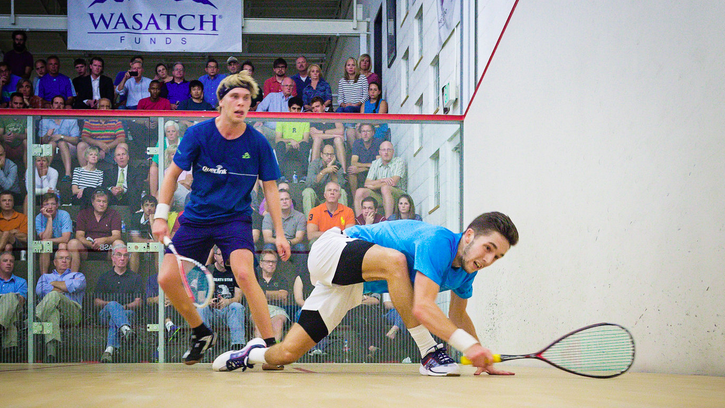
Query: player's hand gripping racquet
<point x="198" y="281"/>
<point x="602" y="350"/>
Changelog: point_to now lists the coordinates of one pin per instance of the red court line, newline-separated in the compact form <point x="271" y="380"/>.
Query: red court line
<point x="33" y="367"/>
<point x="304" y="370"/>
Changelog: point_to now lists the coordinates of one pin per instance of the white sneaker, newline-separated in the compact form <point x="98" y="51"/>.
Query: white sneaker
<point x="438" y="364"/>
<point x="235" y="359"/>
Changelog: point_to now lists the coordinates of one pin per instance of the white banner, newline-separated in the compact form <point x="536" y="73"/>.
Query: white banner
<point x="449" y="14"/>
<point x="155" y="25"/>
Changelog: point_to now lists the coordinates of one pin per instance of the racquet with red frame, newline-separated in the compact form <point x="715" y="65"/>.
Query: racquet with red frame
<point x="602" y="350"/>
<point x="197" y="280"/>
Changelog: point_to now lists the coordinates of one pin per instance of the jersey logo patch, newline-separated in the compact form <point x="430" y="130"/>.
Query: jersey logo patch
<point x="246" y="156"/>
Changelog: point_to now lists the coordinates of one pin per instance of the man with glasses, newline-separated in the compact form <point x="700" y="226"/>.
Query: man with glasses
<point x="179" y="87"/>
<point x="275" y="102"/>
<point x="385" y="182"/>
<point x="275" y="83"/>
<point x="211" y="81"/>
<point x="322" y="171"/>
<point x="53" y="225"/>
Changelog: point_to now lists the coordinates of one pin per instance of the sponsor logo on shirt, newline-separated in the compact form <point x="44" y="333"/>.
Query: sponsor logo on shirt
<point x="246" y="156"/>
<point x="218" y="170"/>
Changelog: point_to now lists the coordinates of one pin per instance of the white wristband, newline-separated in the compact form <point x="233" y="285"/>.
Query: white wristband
<point x="162" y="211"/>
<point x="461" y="340"/>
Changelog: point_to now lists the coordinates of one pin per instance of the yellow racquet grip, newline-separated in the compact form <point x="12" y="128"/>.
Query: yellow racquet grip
<point x="466" y="361"/>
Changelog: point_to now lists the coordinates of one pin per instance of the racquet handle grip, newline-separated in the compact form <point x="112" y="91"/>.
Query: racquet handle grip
<point x="466" y="361"/>
<point x="167" y="241"/>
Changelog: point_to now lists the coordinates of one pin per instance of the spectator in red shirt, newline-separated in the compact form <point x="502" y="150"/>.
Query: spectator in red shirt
<point x="97" y="230"/>
<point x="155" y="101"/>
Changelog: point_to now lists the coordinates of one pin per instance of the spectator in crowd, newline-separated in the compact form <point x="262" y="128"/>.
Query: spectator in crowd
<point x="97" y="228"/>
<point x="10" y="177"/>
<point x="326" y="133"/>
<point x="294" y="225"/>
<point x="13" y="294"/>
<point x="136" y="89"/>
<point x="225" y="306"/>
<point x="275" y="102"/>
<point x="365" y="66"/>
<point x="30" y="100"/>
<point x="140" y="228"/>
<point x="211" y="81"/>
<point x="152" y="300"/>
<point x="322" y="171"/>
<point x="86" y="178"/>
<point x="124" y="182"/>
<point x="53" y="225"/>
<point x="173" y="137"/>
<point x="317" y="86"/>
<point x="104" y="134"/>
<point x="364" y="151"/>
<point x="196" y="102"/>
<point x="369" y="214"/>
<point x="233" y="65"/>
<point x="13" y="131"/>
<point x="274" y="286"/>
<point x="249" y="67"/>
<point x="376" y="104"/>
<point x="81" y="68"/>
<point x="121" y="74"/>
<point x="292" y="143"/>
<point x="179" y="87"/>
<point x="274" y="83"/>
<point x="8" y="84"/>
<point x="329" y="214"/>
<point x="301" y="289"/>
<point x="91" y="88"/>
<point x="183" y="182"/>
<point x="162" y="73"/>
<point x="13" y="225"/>
<point x="154" y="101"/>
<point x="119" y="294"/>
<point x="405" y="209"/>
<point x="46" y="177"/>
<point x="352" y="90"/>
<point x="55" y="83"/>
<point x="19" y="58"/>
<point x="386" y="180"/>
<point x="61" y="134"/>
<point x="301" y="78"/>
<point x="61" y="295"/>
<point x="41" y="69"/>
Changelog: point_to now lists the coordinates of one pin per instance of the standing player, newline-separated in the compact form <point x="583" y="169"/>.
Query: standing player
<point x="226" y="157"/>
<point x="432" y="258"/>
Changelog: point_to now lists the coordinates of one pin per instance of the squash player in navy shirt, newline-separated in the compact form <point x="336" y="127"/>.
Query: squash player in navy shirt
<point x="226" y="156"/>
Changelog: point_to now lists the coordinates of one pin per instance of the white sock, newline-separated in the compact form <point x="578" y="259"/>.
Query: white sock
<point x="109" y="349"/>
<point x="423" y="339"/>
<point x="125" y="328"/>
<point x="256" y="355"/>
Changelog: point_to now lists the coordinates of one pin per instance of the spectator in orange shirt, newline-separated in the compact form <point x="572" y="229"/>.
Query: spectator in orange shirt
<point x="13" y="225"/>
<point x="329" y="214"/>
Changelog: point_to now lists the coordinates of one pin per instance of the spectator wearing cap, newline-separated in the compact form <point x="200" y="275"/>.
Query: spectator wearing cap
<point x="233" y="65"/>
<point x="211" y="81"/>
<point x="274" y="83"/>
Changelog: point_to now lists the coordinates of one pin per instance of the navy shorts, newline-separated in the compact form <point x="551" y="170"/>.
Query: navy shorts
<point x="194" y="239"/>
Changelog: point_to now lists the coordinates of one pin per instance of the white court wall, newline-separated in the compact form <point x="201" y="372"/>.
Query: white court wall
<point x="601" y="124"/>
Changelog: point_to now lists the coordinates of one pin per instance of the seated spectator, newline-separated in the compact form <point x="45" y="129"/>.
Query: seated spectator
<point x="31" y="100"/>
<point x="225" y="306"/>
<point x="369" y="214"/>
<point x="326" y="133"/>
<point x="61" y="134"/>
<point x="301" y="78"/>
<point x="233" y="65"/>
<point x="179" y="86"/>
<point x="211" y="81"/>
<point x="301" y="289"/>
<point x="274" y="83"/>
<point x="152" y="300"/>
<point x="162" y="73"/>
<point x="91" y="88"/>
<point x="81" y="67"/>
<point x="105" y="134"/>
<point x="8" y="84"/>
<point x="173" y="137"/>
<point x="61" y="295"/>
<point x="53" y="225"/>
<point x="352" y="90"/>
<point x="376" y="104"/>
<point x="97" y="228"/>
<point x="322" y="171"/>
<point x="365" y="66"/>
<point x="386" y="180"/>
<point x="54" y="83"/>
<point x="41" y="70"/>
<point x="118" y="294"/>
<point x="86" y="179"/>
<point x="154" y="101"/>
<point x="317" y="87"/>
<point x="405" y="209"/>
<point x="364" y="151"/>
<point x="13" y="225"/>
<point x="183" y="182"/>
<point x="294" y="225"/>
<point x="119" y="76"/>
<point x="125" y="183"/>
<point x="274" y="287"/>
<point x="136" y="89"/>
<point x="13" y="131"/>
<point x="140" y="228"/>
<point x="329" y="214"/>
<point x="292" y="143"/>
<point x="10" y="177"/>
<point x="46" y="177"/>
<point x="249" y="67"/>
<point x="19" y="59"/>
<point x="196" y="102"/>
<point x="275" y="102"/>
<point x="13" y="294"/>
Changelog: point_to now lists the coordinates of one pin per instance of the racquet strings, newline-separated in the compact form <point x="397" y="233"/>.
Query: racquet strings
<point x="598" y="351"/>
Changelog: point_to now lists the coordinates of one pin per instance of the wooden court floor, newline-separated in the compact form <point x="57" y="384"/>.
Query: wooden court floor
<point x="339" y="386"/>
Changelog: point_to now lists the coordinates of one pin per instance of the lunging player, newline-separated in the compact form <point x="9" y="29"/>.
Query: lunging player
<point x="226" y="157"/>
<point x="394" y="253"/>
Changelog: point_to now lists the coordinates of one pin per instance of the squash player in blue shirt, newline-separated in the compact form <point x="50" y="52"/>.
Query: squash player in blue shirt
<point x="412" y="260"/>
<point x="227" y="156"/>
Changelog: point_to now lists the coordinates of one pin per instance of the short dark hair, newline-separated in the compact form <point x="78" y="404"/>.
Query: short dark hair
<point x="40" y="60"/>
<point x="248" y="62"/>
<point x="7" y="192"/>
<point x="212" y="60"/>
<point x="295" y="100"/>
<point x="99" y="59"/>
<point x="136" y="57"/>
<point x="19" y="32"/>
<point x="317" y="99"/>
<point x="154" y="81"/>
<point x="495" y="222"/>
<point x="57" y="96"/>
<point x="148" y="198"/>
<point x="196" y="83"/>
<point x="14" y="94"/>
<point x="370" y="200"/>
<point x="55" y="57"/>
<point x="279" y="61"/>
<point x="78" y="61"/>
<point x="48" y="196"/>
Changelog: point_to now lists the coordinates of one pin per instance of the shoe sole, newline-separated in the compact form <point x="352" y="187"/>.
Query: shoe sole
<point x="423" y="371"/>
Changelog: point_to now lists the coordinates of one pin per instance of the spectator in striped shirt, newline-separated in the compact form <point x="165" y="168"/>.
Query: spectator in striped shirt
<point x="104" y="134"/>
<point x="86" y="178"/>
<point x="386" y="180"/>
<point x="352" y="90"/>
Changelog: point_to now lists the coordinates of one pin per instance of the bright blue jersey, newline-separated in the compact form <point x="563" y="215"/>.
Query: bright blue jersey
<point x="224" y="171"/>
<point x="429" y="250"/>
